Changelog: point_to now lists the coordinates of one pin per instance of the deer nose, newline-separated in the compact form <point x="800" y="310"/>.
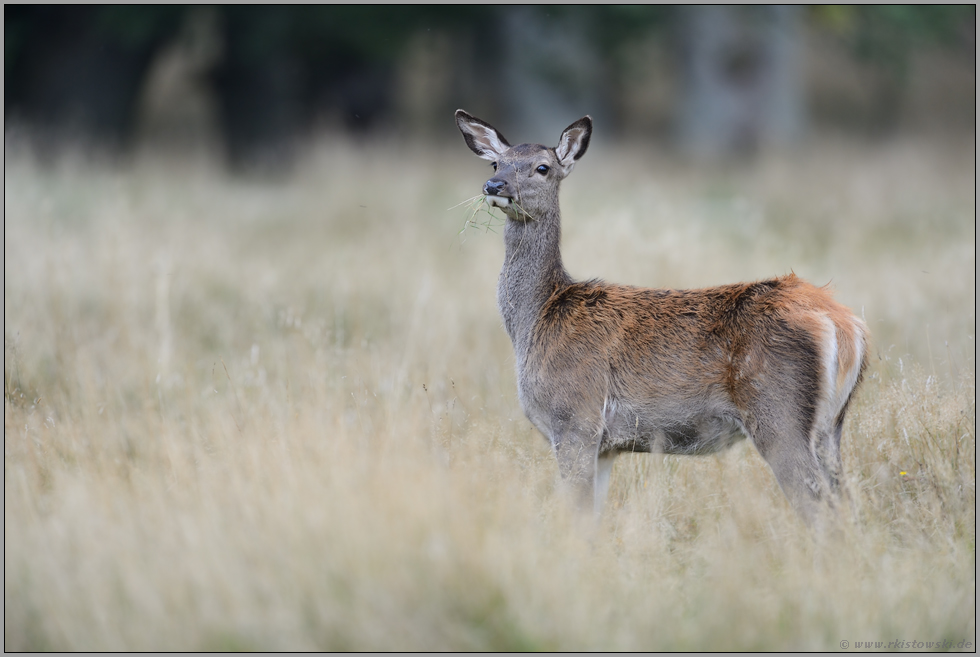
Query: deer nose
<point x="494" y="187"/>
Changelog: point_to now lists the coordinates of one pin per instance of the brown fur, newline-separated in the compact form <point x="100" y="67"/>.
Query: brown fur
<point x="606" y="368"/>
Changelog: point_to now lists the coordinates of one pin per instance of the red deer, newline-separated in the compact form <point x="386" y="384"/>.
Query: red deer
<point x="604" y="368"/>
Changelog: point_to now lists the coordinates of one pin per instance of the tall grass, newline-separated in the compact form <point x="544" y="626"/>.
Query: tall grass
<point x="242" y="414"/>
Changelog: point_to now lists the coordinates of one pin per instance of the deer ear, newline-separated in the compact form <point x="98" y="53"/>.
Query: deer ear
<point x="482" y="138"/>
<point x="574" y="142"/>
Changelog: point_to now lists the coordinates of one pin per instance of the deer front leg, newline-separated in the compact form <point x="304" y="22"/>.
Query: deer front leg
<point x="604" y="464"/>
<point x="579" y="466"/>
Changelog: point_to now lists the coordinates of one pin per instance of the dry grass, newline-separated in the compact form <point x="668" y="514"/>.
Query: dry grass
<point x="252" y="415"/>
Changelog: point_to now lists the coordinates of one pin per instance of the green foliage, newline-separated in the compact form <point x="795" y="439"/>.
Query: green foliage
<point x="887" y="34"/>
<point x="137" y="26"/>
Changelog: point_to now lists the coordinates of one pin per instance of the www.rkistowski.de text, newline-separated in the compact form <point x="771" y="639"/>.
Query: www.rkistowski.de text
<point x="944" y="644"/>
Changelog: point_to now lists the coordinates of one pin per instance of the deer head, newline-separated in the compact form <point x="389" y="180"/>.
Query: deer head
<point x="527" y="176"/>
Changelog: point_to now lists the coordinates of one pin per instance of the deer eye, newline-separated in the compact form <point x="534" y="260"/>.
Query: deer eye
<point x="494" y="165"/>
<point x="543" y="169"/>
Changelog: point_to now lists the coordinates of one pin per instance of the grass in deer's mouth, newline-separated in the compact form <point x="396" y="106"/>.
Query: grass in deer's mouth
<point x="475" y="208"/>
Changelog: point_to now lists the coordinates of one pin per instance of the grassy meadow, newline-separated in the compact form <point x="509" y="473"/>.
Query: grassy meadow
<point x="246" y="414"/>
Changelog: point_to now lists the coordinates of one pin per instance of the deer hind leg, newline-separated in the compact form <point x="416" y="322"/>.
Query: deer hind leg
<point x="797" y="470"/>
<point x="826" y="447"/>
<point x="844" y="357"/>
<point x="785" y="441"/>
<point x="799" y="417"/>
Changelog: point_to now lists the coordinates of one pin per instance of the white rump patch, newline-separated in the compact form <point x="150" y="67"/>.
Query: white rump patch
<point x="830" y="365"/>
<point x="857" y="339"/>
<point x="839" y="384"/>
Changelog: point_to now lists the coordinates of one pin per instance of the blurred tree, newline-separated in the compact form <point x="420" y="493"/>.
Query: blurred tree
<point x="742" y="78"/>
<point x="282" y="69"/>
<point x="886" y="36"/>
<point x="76" y="71"/>
<point x="286" y="67"/>
<point x="553" y="64"/>
<point x="178" y="107"/>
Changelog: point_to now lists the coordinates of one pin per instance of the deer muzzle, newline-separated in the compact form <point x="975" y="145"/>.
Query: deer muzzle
<point x="495" y="189"/>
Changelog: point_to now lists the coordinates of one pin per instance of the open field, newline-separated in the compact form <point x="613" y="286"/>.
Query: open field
<point x="242" y="414"/>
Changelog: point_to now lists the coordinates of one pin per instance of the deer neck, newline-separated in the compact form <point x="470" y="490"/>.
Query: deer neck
<point x="531" y="273"/>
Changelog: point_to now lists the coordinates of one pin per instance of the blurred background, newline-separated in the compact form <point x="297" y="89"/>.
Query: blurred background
<point x="257" y="394"/>
<point x="247" y="85"/>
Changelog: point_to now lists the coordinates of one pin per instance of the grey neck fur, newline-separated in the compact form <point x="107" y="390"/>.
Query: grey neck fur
<point x="532" y="270"/>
